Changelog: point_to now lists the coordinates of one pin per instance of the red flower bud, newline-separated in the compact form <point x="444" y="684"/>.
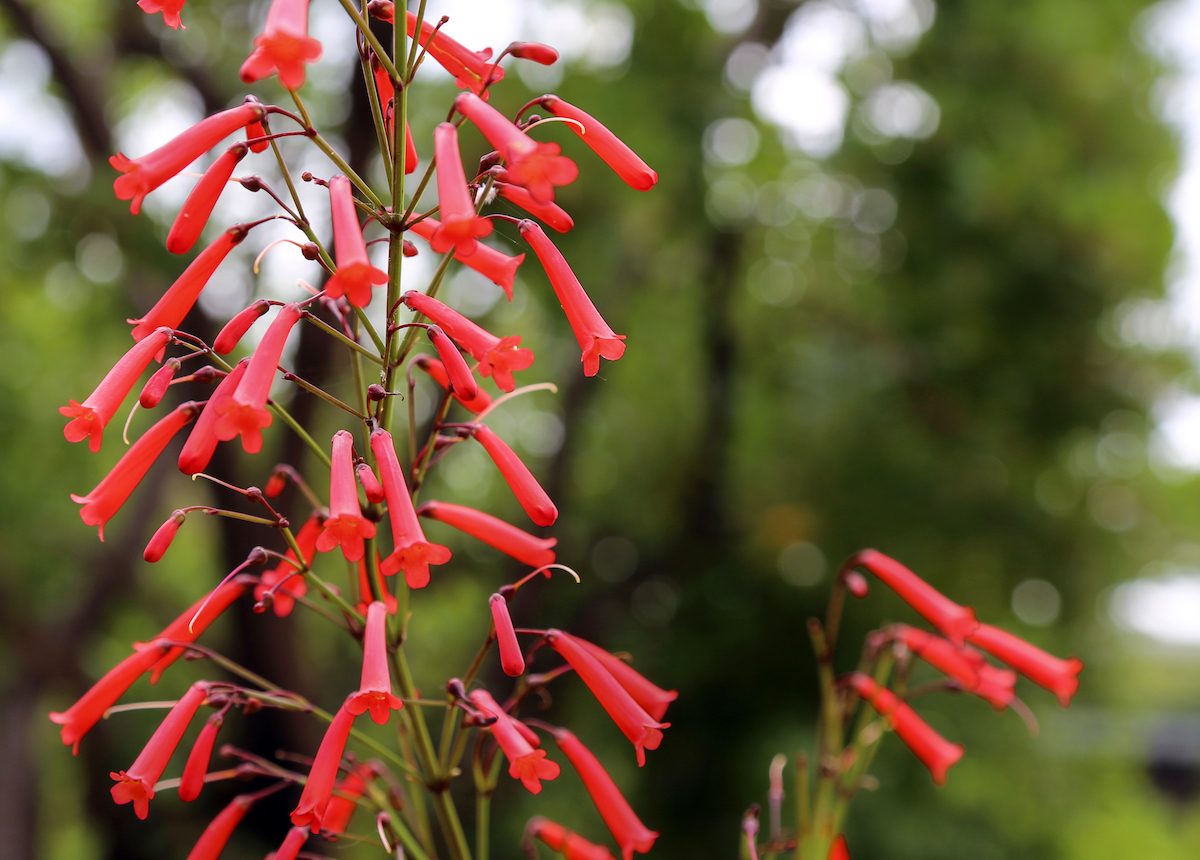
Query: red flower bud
<point x="370" y="483"/>
<point x="162" y="538"/>
<point x="535" y="51"/>
<point x="965" y="665"/>
<point x="512" y="661"/>
<point x="518" y="477"/>
<point x="199" y="205"/>
<point x="437" y="372"/>
<point x="462" y="381"/>
<point x="196" y="767"/>
<point x="234" y="330"/>
<point x="276" y="484"/>
<point x="292" y="843"/>
<point x="156" y="386"/>
<point x="612" y="151"/>
<point x="553" y="215"/>
<point x="342" y="804"/>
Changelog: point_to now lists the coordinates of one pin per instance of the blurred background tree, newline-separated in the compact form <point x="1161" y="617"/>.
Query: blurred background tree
<point x="892" y="290"/>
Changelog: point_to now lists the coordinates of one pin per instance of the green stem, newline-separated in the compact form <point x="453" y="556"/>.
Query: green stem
<point x="358" y="348"/>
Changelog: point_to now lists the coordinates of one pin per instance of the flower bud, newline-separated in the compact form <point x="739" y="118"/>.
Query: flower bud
<point x="158" y="383"/>
<point x="161" y="541"/>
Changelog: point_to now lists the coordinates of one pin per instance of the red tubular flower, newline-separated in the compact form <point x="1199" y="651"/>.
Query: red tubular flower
<point x="292" y="843"/>
<point x="954" y="622"/>
<point x="364" y="590"/>
<point x="346" y="526"/>
<point x="461" y="225"/>
<point x="254" y="131"/>
<point x="78" y="719"/>
<point x="88" y="419"/>
<point x="626" y="828"/>
<point x="471" y="69"/>
<point x="642" y="730"/>
<point x="653" y="699"/>
<point x="551" y="214"/>
<point x="342" y="804"/>
<point x="411" y="552"/>
<point x="1060" y="677"/>
<point x="512" y="661"/>
<point x="462" y="380"/>
<point x="532" y="164"/>
<point x="497" y="357"/>
<point x="518" y="477"/>
<point x="229" y="336"/>
<point x="623" y="160"/>
<point x="510" y="540"/>
<point x="965" y="665"/>
<point x="196" y="768"/>
<point x="498" y="268"/>
<point x="245" y="413"/>
<point x="934" y="751"/>
<point x="195" y="620"/>
<point x="170" y="11"/>
<point x="294" y="585"/>
<point x="202" y="441"/>
<point x="142" y="175"/>
<point x="284" y="46"/>
<point x="136" y="785"/>
<point x="596" y="339"/>
<point x="179" y="298"/>
<point x="375" y="690"/>
<point x="355" y="276"/>
<point x="437" y="372"/>
<point x="216" y="835"/>
<point x="156" y="386"/>
<point x="370" y="484"/>
<point x="103" y="502"/>
<point x="319" y="786"/>
<point x="199" y="205"/>
<point x="571" y="845"/>
<point x="524" y="762"/>
<point x="160" y="542"/>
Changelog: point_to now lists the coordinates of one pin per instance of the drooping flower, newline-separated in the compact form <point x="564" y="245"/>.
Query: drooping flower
<point x="156" y="386"/>
<point x="284" y="46"/>
<point x="88" y="419"/>
<point x="191" y="783"/>
<point x="411" y="552"/>
<point x="462" y="380"/>
<point x="170" y="11"/>
<point x="934" y="751"/>
<point x="103" y="502"/>
<point x="471" y="69"/>
<point x="346" y="526"/>
<point x="524" y="762"/>
<point x="78" y="719"/>
<point x="140" y="176"/>
<point x="642" y="730"/>
<point x="461" y="226"/>
<point x="216" y="835"/>
<point x="319" y="786"/>
<point x="498" y="268"/>
<point x="370" y="484"/>
<point x="375" y="690"/>
<point x="437" y="372"/>
<point x="136" y="785"/>
<point x="355" y="276"/>
<point x="611" y="149"/>
<point x="571" y="845"/>
<point x="627" y="829"/>
<point x="202" y="442"/>
<point x="550" y="214"/>
<point x="512" y="661"/>
<point x="964" y="664"/>
<point x="292" y="843"/>
<point x="342" y="804"/>
<point x="497" y="357"/>
<point x="596" y="339"/>
<point x="516" y="474"/>
<point x="161" y="540"/>
<point x="653" y="698"/>
<point x="181" y="296"/>
<point x="194" y="620"/>
<point x="190" y="221"/>
<point x="954" y="622"/>
<point x="284" y="581"/>
<point x="245" y="413"/>
<point x="538" y="167"/>
<point x="231" y="334"/>
<point x="510" y="540"/>
<point x="1060" y="677"/>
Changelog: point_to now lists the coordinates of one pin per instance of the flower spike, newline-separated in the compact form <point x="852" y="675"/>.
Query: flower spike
<point x="355" y="276"/>
<point x="596" y="339"/>
<point x="375" y="691"/>
<point x="103" y="502"/>
<point x="346" y="526"/>
<point x="411" y="552"/>
<point x="88" y="419"/>
<point x="623" y="160"/>
<point x="524" y="762"/>
<point x="140" y="176"/>
<point x="284" y="46"/>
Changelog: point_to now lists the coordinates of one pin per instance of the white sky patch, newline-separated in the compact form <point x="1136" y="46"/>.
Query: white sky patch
<point x="1165" y="608"/>
<point x="34" y="128"/>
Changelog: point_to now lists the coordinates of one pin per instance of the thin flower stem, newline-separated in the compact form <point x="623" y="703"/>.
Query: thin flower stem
<point x="412" y="52"/>
<point x="235" y="515"/>
<point x="333" y="155"/>
<point x="377" y="113"/>
<point x="365" y="28"/>
<point x="322" y="394"/>
<point x="140" y="706"/>
<point x="211" y="776"/>
<point x="332" y="594"/>
<point x="287" y="180"/>
<point x="525" y="389"/>
<point x="358" y="348"/>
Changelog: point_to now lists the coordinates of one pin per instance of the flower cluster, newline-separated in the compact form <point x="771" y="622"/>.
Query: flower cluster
<point x="369" y="522"/>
